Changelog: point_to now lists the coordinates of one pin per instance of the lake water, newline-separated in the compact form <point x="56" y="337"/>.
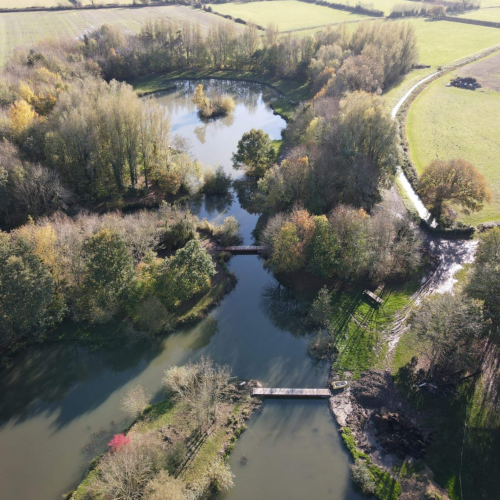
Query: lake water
<point x="59" y="405"/>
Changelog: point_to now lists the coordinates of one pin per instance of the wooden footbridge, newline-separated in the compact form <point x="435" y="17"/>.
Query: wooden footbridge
<point x="242" y="250"/>
<point x="290" y="393"/>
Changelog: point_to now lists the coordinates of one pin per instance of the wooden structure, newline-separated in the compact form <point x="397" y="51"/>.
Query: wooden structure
<point x="374" y="297"/>
<point x="249" y="250"/>
<point x="290" y="393"/>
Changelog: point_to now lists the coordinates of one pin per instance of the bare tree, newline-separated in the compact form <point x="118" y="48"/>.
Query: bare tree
<point x="201" y="386"/>
<point x="135" y="400"/>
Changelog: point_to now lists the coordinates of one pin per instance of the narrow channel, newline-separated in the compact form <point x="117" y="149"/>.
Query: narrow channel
<point x="59" y="404"/>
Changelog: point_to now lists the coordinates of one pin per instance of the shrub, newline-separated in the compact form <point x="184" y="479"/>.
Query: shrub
<point x="432" y="495"/>
<point x="229" y="232"/>
<point x="165" y="486"/>
<point x="362" y="478"/>
<point x="118" y="442"/>
<point x="216" y="181"/>
<point x="179" y="228"/>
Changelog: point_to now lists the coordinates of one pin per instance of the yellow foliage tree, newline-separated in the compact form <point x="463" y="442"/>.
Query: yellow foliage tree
<point x="21" y="116"/>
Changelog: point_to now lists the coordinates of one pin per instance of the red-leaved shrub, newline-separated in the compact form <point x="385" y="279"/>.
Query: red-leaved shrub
<point x="118" y="442"/>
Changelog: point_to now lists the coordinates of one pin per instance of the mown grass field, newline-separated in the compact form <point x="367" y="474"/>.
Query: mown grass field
<point x="27" y="28"/>
<point x="290" y="15"/>
<point x="447" y="122"/>
<point x="384" y="5"/>
<point x="492" y="15"/>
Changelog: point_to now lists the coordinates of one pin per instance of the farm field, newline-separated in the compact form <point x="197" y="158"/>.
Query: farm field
<point x="442" y="42"/>
<point x="447" y="122"/>
<point x="24" y="4"/>
<point x="290" y="15"/>
<point x="492" y="15"/>
<point x="26" y="28"/>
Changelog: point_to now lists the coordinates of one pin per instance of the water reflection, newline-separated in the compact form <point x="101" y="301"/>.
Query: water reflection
<point x="215" y="140"/>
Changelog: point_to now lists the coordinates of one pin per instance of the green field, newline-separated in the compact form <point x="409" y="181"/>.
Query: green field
<point x="492" y="15"/>
<point x="25" y="4"/>
<point x="27" y="28"/>
<point x="447" y="122"/>
<point x="383" y="5"/>
<point x="290" y="15"/>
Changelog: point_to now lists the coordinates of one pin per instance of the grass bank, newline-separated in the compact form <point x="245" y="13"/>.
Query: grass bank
<point x="360" y="326"/>
<point x="292" y="91"/>
<point x="172" y="420"/>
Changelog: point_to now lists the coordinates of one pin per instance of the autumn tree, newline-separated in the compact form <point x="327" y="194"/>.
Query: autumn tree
<point x="27" y="292"/>
<point x="255" y="153"/>
<point x="456" y="181"/>
<point x="323" y="249"/>
<point x="21" y="115"/>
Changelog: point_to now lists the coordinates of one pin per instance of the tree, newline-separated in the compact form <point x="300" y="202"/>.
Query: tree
<point x="124" y="474"/>
<point x="108" y="271"/>
<point x="27" y="292"/>
<point x="286" y="256"/>
<point x="456" y="181"/>
<point x="255" y="153"/>
<point x="21" y="116"/>
<point x="447" y="327"/>
<point x="164" y="486"/>
<point x="186" y="274"/>
<point x="484" y="282"/>
<point x="201" y="386"/>
<point x="322" y="251"/>
<point x="135" y="400"/>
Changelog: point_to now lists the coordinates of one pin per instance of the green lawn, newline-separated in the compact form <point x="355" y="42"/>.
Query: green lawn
<point x="492" y="15"/>
<point x="292" y="90"/>
<point x="288" y="14"/>
<point x="447" y="122"/>
<point x="27" y="28"/>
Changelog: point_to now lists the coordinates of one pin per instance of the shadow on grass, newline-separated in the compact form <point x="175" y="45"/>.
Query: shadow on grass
<point x="465" y="452"/>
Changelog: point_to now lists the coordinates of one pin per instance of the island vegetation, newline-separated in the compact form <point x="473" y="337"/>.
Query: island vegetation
<point x="212" y="107"/>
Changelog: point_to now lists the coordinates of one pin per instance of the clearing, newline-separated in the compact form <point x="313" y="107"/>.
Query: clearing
<point x="27" y="28"/>
<point x="448" y="122"/>
<point x="288" y="14"/>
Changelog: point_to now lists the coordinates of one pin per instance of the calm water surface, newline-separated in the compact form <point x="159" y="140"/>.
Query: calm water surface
<point x="59" y="405"/>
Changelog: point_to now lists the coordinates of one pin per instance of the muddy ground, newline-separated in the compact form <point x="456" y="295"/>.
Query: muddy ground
<point x="386" y="428"/>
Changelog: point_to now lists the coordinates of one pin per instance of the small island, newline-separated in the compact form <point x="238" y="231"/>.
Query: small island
<point x="212" y="107"/>
<point x="177" y="448"/>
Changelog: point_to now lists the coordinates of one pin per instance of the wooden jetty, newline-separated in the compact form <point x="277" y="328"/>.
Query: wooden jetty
<point x="290" y="393"/>
<point x="242" y="249"/>
<point x="374" y="297"/>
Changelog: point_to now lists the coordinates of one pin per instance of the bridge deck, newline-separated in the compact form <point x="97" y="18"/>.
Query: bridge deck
<point x="291" y="393"/>
<point x="241" y="249"/>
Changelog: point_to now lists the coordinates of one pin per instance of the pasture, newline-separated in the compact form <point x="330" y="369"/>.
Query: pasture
<point x="290" y="15"/>
<point x="448" y="122"/>
<point x="492" y="15"/>
<point x="27" y="28"/>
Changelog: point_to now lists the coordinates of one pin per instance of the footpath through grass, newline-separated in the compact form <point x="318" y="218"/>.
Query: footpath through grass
<point x="293" y="91"/>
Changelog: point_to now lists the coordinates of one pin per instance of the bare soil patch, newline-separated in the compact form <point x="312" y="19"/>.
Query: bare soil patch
<point x="486" y="71"/>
